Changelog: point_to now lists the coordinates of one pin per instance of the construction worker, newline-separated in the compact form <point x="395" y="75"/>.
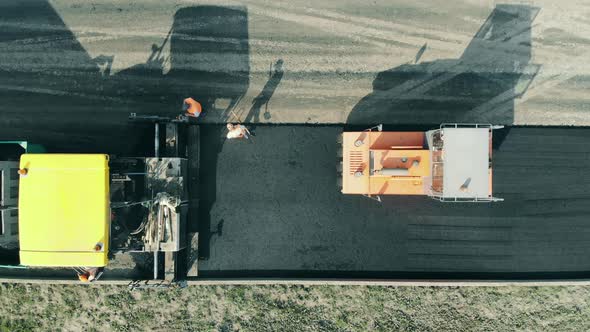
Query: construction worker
<point x="83" y="277"/>
<point x="90" y="274"/>
<point x="192" y="107"/>
<point x="237" y="131"/>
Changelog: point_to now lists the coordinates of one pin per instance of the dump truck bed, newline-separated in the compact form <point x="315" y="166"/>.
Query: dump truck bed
<point x="64" y="212"/>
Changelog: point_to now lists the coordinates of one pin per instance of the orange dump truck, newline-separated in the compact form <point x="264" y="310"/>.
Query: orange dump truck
<point x="451" y="163"/>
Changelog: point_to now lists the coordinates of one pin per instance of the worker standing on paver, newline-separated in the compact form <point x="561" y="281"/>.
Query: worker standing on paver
<point x="237" y="131"/>
<point x="192" y="108"/>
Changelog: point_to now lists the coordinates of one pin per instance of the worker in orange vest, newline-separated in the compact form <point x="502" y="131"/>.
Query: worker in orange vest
<point x="90" y="274"/>
<point x="192" y="107"/>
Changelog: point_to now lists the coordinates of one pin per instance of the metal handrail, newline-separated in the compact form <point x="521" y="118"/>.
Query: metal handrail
<point x="439" y="196"/>
<point x="471" y="125"/>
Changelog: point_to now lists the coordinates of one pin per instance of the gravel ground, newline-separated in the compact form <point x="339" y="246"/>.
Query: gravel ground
<point x="402" y="61"/>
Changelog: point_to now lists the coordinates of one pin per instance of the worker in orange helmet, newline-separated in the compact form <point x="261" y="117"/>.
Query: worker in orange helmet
<point x="237" y="131"/>
<point x="192" y="107"/>
<point x="90" y="274"/>
<point x="84" y="277"/>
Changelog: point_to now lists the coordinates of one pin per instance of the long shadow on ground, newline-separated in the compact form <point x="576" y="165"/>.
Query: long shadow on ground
<point x="480" y="86"/>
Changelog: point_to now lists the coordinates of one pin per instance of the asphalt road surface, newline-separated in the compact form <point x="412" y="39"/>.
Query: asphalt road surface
<point x="277" y="211"/>
<point x="70" y="74"/>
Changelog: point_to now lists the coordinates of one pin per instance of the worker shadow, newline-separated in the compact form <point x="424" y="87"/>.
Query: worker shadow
<point x="275" y="75"/>
<point x="480" y="86"/>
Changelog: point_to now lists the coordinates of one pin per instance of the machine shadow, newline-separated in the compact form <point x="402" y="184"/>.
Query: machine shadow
<point x="209" y="58"/>
<point x="480" y="86"/>
<point x="56" y="97"/>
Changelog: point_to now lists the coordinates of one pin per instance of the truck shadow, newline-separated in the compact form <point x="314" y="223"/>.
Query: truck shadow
<point x="480" y="86"/>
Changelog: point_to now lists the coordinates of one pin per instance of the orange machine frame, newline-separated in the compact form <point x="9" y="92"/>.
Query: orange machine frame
<point x="384" y="163"/>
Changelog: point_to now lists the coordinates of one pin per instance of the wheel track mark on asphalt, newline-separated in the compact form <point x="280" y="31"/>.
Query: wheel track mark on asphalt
<point x="79" y="34"/>
<point x="331" y="26"/>
<point x="460" y="226"/>
<point x="443" y="42"/>
<point x="503" y="103"/>
<point x="417" y="88"/>
<point x="506" y="101"/>
<point x="334" y="14"/>
<point x="459" y="241"/>
<point x="476" y="254"/>
<point x="414" y="36"/>
<point x="430" y="244"/>
<point x="575" y="14"/>
<point x="325" y="13"/>
<point x="494" y="52"/>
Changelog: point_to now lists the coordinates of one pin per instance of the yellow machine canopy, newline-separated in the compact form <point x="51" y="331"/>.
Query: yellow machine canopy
<point x="64" y="211"/>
